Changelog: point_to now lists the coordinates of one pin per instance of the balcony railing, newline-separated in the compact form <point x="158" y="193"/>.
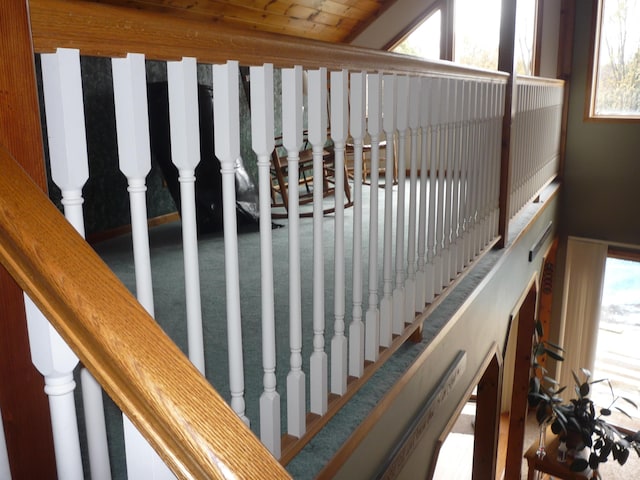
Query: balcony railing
<point x="406" y="243"/>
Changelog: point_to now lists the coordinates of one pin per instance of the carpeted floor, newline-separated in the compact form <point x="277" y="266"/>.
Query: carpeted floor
<point x="168" y="279"/>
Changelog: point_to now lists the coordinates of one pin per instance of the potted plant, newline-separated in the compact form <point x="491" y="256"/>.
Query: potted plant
<point x="578" y="422"/>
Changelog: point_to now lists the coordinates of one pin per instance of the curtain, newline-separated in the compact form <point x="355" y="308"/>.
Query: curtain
<point x="584" y="278"/>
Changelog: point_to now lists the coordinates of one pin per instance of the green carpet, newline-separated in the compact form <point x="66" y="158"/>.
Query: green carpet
<point x="168" y="282"/>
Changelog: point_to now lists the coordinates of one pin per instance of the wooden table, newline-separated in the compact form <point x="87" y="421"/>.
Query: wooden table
<point x="549" y="463"/>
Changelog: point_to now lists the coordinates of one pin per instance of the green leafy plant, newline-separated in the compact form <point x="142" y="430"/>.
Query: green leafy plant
<point x="578" y="421"/>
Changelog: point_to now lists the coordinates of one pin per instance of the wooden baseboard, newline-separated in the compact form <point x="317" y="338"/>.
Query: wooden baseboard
<point x="98" y="237"/>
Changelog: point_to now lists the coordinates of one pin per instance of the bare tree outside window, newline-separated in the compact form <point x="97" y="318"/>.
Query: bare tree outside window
<point x="617" y="91"/>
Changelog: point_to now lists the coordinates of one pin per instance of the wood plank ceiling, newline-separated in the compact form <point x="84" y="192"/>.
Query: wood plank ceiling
<point x="336" y="21"/>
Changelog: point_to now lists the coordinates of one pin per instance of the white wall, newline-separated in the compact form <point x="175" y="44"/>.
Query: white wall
<point x="391" y="22"/>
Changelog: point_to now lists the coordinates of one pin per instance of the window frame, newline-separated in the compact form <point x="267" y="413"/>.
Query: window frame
<point x="592" y="73"/>
<point x="446" y="52"/>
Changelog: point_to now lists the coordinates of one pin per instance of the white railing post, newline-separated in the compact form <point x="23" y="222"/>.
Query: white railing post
<point x="402" y="124"/>
<point x="339" y="132"/>
<point x="464" y="175"/>
<point x="456" y="178"/>
<point x="389" y="126"/>
<point x="439" y="164"/>
<point x="357" y="101"/>
<point x="421" y="288"/>
<point x="472" y="174"/>
<point x="132" y="126"/>
<point x="498" y="108"/>
<point x="262" y="141"/>
<point x="374" y="120"/>
<point x="292" y="141"/>
<point x="447" y="175"/>
<point x="62" y="85"/>
<point x="185" y="153"/>
<point x="55" y="361"/>
<point x="432" y="92"/>
<point x="414" y="124"/>
<point x="226" y="118"/>
<point x="317" y="121"/>
<point x="486" y="167"/>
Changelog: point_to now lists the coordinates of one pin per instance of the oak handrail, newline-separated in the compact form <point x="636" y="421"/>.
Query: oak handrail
<point x="170" y="402"/>
<point x="112" y="31"/>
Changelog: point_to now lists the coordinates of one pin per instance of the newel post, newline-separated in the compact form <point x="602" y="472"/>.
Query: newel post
<point x="506" y="64"/>
<point x="22" y="400"/>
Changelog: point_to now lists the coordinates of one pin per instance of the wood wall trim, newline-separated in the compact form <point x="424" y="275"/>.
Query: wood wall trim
<point x="526" y="313"/>
<point x="192" y="428"/>
<point x="506" y="64"/>
<point x="110" y="31"/>
<point x="24" y="405"/>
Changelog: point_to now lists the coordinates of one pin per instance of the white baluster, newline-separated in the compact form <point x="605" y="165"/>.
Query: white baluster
<point x="339" y="132"/>
<point x="421" y="297"/>
<point x="456" y="230"/>
<point x="5" y="469"/>
<point x="472" y="173"/>
<point x="464" y="178"/>
<point x="389" y="126"/>
<point x="484" y="169"/>
<point x="402" y="124"/>
<point x="317" y="120"/>
<point x="447" y="171"/>
<point x="374" y="120"/>
<point x="432" y="92"/>
<point x="292" y="141"/>
<point x="52" y="357"/>
<point x="414" y="124"/>
<point x="498" y="109"/>
<point x="440" y="165"/>
<point x="185" y="154"/>
<point x="226" y="118"/>
<point x="55" y="361"/>
<point x="262" y="141"/>
<point x="357" y="101"/>
<point x="132" y="126"/>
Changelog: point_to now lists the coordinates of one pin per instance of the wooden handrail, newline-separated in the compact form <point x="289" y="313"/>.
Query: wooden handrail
<point x="170" y="402"/>
<point x="112" y="31"/>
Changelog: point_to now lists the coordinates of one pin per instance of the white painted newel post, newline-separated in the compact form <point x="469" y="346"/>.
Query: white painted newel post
<point x="292" y="141"/>
<point x="226" y="118"/>
<point x="185" y="154"/>
<point x="317" y="121"/>
<point x="339" y="132"/>
<point x="262" y="141"/>
<point x="68" y="153"/>
<point x="357" y="101"/>
<point x="132" y="126"/>
<point x="374" y="121"/>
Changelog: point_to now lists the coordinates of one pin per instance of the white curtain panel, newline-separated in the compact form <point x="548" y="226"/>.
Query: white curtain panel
<point x="584" y="278"/>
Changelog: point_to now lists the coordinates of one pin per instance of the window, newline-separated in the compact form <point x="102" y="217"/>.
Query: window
<point x="618" y="338"/>
<point x="424" y="41"/>
<point x="615" y="89"/>
<point x="525" y="32"/>
<point x="477" y="34"/>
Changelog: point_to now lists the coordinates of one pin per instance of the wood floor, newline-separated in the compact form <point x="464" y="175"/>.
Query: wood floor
<point x="456" y="454"/>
